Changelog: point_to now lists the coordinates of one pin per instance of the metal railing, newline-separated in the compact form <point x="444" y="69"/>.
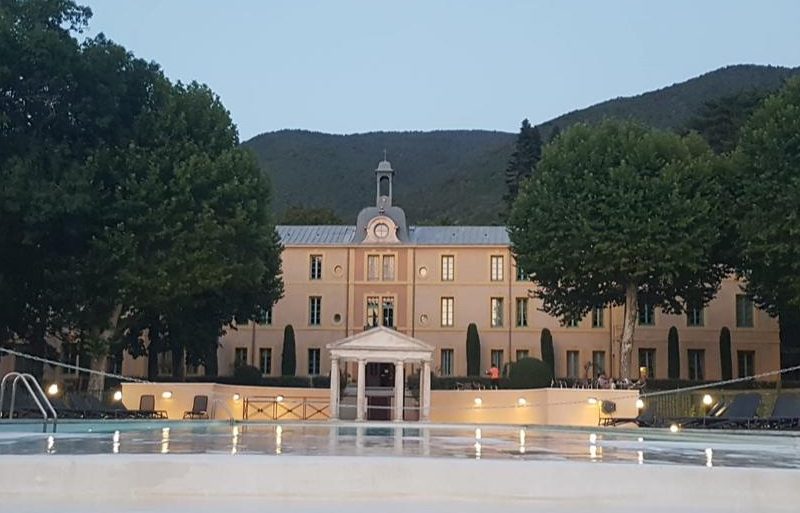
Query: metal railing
<point x="33" y="388"/>
<point x="285" y="408"/>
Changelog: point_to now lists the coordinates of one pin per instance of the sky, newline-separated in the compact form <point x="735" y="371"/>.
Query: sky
<point x="352" y="66"/>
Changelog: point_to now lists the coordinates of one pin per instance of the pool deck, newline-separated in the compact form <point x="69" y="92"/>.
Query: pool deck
<point x="204" y="482"/>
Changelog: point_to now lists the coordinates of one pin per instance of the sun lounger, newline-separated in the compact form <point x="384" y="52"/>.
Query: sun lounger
<point x="199" y="408"/>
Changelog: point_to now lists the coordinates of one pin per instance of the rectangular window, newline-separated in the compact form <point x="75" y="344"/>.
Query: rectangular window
<point x="744" y="311"/>
<point x="747" y="366"/>
<point x="522" y="353"/>
<point x="313" y="361"/>
<point x="521" y="274"/>
<point x="573" y="364"/>
<point x="447" y="362"/>
<point x="497" y="312"/>
<point x="373" y="311"/>
<point x="265" y="316"/>
<point x="373" y="268"/>
<point x="697" y="364"/>
<point x="388" y="267"/>
<point x="448" y="267"/>
<point x="314" y="310"/>
<point x="573" y="323"/>
<point x="165" y="363"/>
<point x="694" y="315"/>
<point x="647" y="314"/>
<point x="522" y="312"/>
<point x="316" y="267"/>
<point x="239" y="356"/>
<point x="598" y="362"/>
<point x="597" y="316"/>
<point x="496" y="268"/>
<point x="647" y="359"/>
<point x="447" y="311"/>
<point x="388" y="312"/>
<point x="496" y="357"/>
<point x="265" y="360"/>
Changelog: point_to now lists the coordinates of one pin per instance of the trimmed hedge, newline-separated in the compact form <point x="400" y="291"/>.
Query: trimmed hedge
<point x="548" y="353"/>
<point x="288" y="356"/>
<point x="673" y="354"/>
<point x="473" y="350"/>
<point x="726" y="361"/>
<point x="530" y="373"/>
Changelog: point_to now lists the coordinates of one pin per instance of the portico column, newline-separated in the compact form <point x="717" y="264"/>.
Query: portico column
<point x="334" y="406"/>
<point x="362" y="389"/>
<point x="399" y="390"/>
<point x="426" y="391"/>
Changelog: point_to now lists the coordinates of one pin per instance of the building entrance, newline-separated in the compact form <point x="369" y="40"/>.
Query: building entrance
<point x="380" y="374"/>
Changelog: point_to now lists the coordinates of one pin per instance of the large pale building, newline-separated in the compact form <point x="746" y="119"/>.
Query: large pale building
<point x="431" y="282"/>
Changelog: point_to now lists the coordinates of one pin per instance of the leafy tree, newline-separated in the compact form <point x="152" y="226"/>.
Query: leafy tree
<point x="288" y="356"/>
<point x="725" y="359"/>
<point x="720" y="120"/>
<point x="615" y="214"/>
<point x="546" y="347"/>
<point x="527" y="152"/>
<point x="297" y="215"/>
<point x="473" y="350"/>
<point x="673" y="354"/>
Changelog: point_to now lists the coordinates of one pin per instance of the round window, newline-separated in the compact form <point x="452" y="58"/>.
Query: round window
<point x="423" y="272"/>
<point x="423" y="319"/>
<point x="337" y="318"/>
<point x="381" y="230"/>
<point x="337" y="270"/>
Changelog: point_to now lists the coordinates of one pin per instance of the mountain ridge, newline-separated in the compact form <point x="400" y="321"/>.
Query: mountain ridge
<point x="456" y="176"/>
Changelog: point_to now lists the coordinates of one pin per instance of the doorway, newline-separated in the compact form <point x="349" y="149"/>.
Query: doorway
<point x="380" y="375"/>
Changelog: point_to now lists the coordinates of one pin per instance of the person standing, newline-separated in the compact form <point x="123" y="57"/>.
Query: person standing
<point x="494" y="376"/>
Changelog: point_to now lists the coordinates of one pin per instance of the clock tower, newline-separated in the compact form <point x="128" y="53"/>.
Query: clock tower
<point x="384" y="223"/>
<point x="383" y="183"/>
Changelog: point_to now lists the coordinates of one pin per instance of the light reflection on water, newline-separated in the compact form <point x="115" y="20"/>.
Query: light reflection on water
<point x="710" y="449"/>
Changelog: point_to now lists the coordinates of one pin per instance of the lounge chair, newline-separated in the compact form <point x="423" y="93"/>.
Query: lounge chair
<point x="199" y="408"/>
<point x="785" y="414"/>
<point x="742" y="413"/>
<point x="147" y="408"/>
<point x="646" y="418"/>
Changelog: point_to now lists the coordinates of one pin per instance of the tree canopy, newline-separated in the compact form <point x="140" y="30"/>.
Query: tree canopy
<point x="527" y="152"/>
<point x="127" y="203"/>
<point x="620" y="214"/>
<point x="769" y="154"/>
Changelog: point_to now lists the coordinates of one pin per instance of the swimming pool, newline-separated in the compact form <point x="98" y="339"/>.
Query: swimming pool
<point x="213" y="466"/>
<point x="634" y="446"/>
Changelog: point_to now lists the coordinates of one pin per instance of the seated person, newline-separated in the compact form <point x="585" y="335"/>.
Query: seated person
<point x="603" y="381"/>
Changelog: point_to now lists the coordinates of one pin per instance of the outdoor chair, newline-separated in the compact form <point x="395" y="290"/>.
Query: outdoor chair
<point x="741" y="413"/>
<point x="147" y="408"/>
<point x="785" y="414"/>
<point x="646" y="418"/>
<point x="199" y="408"/>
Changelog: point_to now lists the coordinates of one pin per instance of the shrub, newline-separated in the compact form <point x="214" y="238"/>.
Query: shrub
<point x="473" y="351"/>
<point x="530" y="373"/>
<point x="726" y="363"/>
<point x="247" y="375"/>
<point x="288" y="356"/>
<point x="673" y="354"/>
<point x="548" y="354"/>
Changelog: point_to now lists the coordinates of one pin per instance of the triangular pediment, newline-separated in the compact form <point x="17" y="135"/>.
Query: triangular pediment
<point x="381" y="339"/>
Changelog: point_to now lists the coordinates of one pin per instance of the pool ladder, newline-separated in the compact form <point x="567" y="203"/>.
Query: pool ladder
<point x="36" y="393"/>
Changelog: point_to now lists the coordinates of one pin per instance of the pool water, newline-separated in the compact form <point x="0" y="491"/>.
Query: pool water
<point x="602" y="445"/>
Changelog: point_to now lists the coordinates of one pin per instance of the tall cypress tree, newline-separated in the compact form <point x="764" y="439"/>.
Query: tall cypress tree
<point x="527" y="152"/>
<point x="473" y="350"/>
<point x="726" y="363"/>
<point x="673" y="354"/>
<point x="288" y="357"/>
<point x="546" y="346"/>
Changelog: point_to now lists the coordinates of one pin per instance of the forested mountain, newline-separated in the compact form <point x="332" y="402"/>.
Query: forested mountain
<point x="445" y="177"/>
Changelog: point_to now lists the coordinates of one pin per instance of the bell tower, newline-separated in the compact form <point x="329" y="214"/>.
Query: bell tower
<point x="383" y="182"/>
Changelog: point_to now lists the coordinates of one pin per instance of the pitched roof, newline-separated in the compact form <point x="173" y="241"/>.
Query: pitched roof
<point x="313" y="235"/>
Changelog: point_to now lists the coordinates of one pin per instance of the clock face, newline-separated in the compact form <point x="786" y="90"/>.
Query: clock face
<point x="381" y="230"/>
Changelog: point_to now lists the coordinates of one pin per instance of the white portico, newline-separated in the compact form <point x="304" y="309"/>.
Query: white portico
<point x="382" y="345"/>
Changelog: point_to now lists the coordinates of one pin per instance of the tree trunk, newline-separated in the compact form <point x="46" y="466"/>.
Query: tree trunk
<point x="38" y="348"/>
<point x="212" y="362"/>
<point x="97" y="382"/>
<point x="179" y="363"/>
<point x="628" y="326"/>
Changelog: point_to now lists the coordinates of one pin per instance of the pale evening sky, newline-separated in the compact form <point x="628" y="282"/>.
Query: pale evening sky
<point x="359" y="65"/>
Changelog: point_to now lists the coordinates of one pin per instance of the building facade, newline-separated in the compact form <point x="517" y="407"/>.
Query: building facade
<point x="431" y="282"/>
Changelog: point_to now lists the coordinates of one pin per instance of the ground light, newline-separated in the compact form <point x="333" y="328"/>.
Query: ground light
<point x="118" y="395"/>
<point x="478" y="401"/>
<point x="237" y="396"/>
<point x="673" y="428"/>
<point x="166" y="394"/>
<point x="639" y="404"/>
<point x="521" y="401"/>
<point x="592" y="400"/>
<point x="52" y="389"/>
